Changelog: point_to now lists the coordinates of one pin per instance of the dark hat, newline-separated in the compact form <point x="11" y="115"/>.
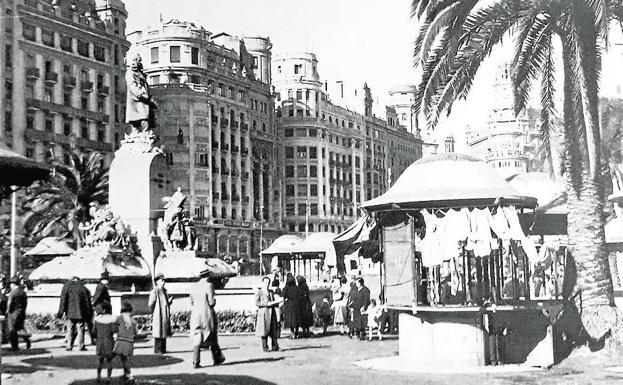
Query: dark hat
<point x="15" y="280"/>
<point x="105" y="275"/>
<point x="159" y="276"/>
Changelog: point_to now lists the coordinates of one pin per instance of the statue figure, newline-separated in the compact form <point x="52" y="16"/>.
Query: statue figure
<point x="176" y="228"/>
<point x="104" y="227"/>
<point x="140" y="108"/>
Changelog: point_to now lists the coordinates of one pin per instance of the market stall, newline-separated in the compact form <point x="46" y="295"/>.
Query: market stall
<point x="457" y="261"/>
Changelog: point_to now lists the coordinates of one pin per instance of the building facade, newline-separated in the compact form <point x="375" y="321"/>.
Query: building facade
<point x="61" y="65"/>
<point x="334" y="158"/>
<point x="216" y="121"/>
<point x="508" y="143"/>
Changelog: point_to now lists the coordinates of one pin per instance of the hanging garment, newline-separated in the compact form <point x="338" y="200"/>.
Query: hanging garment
<point x="430" y="246"/>
<point x="480" y="235"/>
<point x="499" y="225"/>
<point x="457" y="229"/>
<point x="517" y="234"/>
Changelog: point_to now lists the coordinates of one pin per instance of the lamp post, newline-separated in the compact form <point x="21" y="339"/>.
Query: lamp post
<point x="261" y="237"/>
<point x="13" y="269"/>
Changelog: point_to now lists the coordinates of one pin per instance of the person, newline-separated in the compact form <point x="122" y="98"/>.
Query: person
<point x="325" y="314"/>
<point x="374" y="313"/>
<point x="291" y="297"/>
<point x="139" y="105"/>
<point x="306" y="315"/>
<point x="16" y="313"/>
<point x="160" y="305"/>
<point x="75" y="304"/>
<point x="340" y="291"/>
<point x="104" y="329"/>
<point x="275" y="287"/>
<point x="124" y="345"/>
<point x="101" y="294"/>
<point x="203" y="321"/>
<point x="359" y="300"/>
<point x="267" y="324"/>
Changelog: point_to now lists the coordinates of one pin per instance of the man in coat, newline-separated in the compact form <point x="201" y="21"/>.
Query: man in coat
<point x="359" y="299"/>
<point x="139" y="105"/>
<point x="16" y="313"/>
<point x="101" y="293"/>
<point x="75" y="304"/>
<point x="160" y="305"/>
<point x="203" y="321"/>
<point x="267" y="324"/>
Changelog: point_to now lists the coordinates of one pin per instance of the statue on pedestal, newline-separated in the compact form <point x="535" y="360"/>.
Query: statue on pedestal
<point x="140" y="108"/>
<point x="176" y="227"/>
<point x="104" y="227"/>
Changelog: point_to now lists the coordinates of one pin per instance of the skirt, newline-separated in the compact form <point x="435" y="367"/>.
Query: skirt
<point x="124" y="348"/>
<point x="340" y="313"/>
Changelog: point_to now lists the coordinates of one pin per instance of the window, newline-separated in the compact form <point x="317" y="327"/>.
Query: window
<point x="290" y="208"/>
<point x="84" y="101"/>
<point x="289" y="190"/>
<point x="255" y="62"/>
<point x="302" y="209"/>
<point x="312" y="132"/>
<point x="8" y="56"/>
<point x="29" y="32"/>
<point x="297" y="68"/>
<point x="155" y="55"/>
<point x="301" y="171"/>
<point x="30" y="120"/>
<point x="84" y="128"/>
<point x="154" y="79"/>
<point x="278" y="69"/>
<point x="174" y="54"/>
<point x="313" y="209"/>
<point x="66" y="125"/>
<point x="289" y="132"/>
<point x="313" y="190"/>
<point x="83" y="48"/>
<point x="313" y="171"/>
<point x="194" y="55"/>
<point x="66" y="43"/>
<point x="289" y="171"/>
<point x="301" y="152"/>
<point x="313" y="152"/>
<point x="101" y="132"/>
<point x="67" y="97"/>
<point x="289" y="152"/>
<point x="99" y="53"/>
<point x="47" y="37"/>
<point x="301" y="190"/>
<point x="8" y="121"/>
<point x="299" y="94"/>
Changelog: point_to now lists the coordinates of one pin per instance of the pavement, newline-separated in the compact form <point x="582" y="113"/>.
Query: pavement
<point x="333" y="359"/>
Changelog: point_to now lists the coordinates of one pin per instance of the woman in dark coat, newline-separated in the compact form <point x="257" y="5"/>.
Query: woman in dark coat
<point x="291" y="296"/>
<point x="306" y="315"/>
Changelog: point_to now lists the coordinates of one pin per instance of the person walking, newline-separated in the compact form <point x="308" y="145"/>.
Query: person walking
<point x="75" y="304"/>
<point x="101" y="294"/>
<point x="267" y="324"/>
<point x="104" y="329"/>
<point x="203" y="321"/>
<point x="160" y="305"/>
<point x="124" y="345"/>
<point x="306" y="315"/>
<point x="16" y="313"/>
<point x="359" y="300"/>
<point x="340" y="296"/>
<point x="291" y="296"/>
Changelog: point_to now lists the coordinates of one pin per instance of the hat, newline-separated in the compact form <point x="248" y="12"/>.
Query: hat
<point x="14" y="280"/>
<point x="205" y="273"/>
<point x="105" y="275"/>
<point x="159" y="276"/>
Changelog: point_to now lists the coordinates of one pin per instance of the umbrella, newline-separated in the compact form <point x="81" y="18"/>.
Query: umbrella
<point x="17" y="170"/>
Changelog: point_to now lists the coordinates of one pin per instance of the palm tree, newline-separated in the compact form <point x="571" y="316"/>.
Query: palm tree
<point x="58" y="206"/>
<point x="456" y="36"/>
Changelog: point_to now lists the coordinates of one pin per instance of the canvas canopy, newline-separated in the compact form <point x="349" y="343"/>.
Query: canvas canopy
<point x="285" y="244"/>
<point x="17" y="170"/>
<point x="319" y="243"/>
<point x="449" y="180"/>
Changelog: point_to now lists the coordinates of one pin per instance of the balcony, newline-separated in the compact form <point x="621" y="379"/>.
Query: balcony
<point x="245" y="175"/>
<point x="224" y="123"/>
<point x="215" y="170"/>
<point x="103" y="90"/>
<point x="235" y="124"/>
<point x="215" y="144"/>
<point x="235" y="149"/>
<point x="69" y="81"/>
<point x="51" y="77"/>
<point x="33" y="73"/>
<point x="244" y="127"/>
<point x="225" y="197"/>
<point x="226" y="147"/>
<point x="235" y="198"/>
<point x="86" y="86"/>
<point x="217" y="196"/>
<point x="245" y="199"/>
<point x="244" y="151"/>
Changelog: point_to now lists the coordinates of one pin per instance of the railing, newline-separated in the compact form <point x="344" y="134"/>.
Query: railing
<point x="215" y="145"/>
<point x="33" y="72"/>
<point x="86" y="86"/>
<point x="69" y="81"/>
<point x="103" y="90"/>
<point x="51" y="77"/>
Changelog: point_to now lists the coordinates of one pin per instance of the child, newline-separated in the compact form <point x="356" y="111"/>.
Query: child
<point x="324" y="314"/>
<point x="374" y="312"/>
<point x="104" y="328"/>
<point x="124" y="346"/>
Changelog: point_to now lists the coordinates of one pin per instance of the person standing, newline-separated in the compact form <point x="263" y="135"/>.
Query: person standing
<point x="101" y="294"/>
<point x="203" y="321"/>
<point x="267" y="324"/>
<point x="359" y="300"/>
<point x="75" y="304"/>
<point x="104" y="328"/>
<point x="16" y="313"/>
<point x="160" y="306"/>
<point x="291" y="296"/>
<point x="340" y="296"/>
<point x="306" y="315"/>
<point x="126" y="333"/>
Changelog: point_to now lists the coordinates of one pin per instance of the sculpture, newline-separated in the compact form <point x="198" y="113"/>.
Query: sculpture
<point x="176" y="227"/>
<point x="140" y="108"/>
<point x="104" y="227"/>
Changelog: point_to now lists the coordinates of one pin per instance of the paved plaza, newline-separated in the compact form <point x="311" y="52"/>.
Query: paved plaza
<point x="320" y="360"/>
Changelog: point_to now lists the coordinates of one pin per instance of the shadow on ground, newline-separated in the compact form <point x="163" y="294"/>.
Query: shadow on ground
<point x="19" y="369"/>
<point x="305" y="347"/>
<point x="24" y="352"/>
<point x="252" y="361"/>
<point x="90" y="361"/>
<point x="187" y="379"/>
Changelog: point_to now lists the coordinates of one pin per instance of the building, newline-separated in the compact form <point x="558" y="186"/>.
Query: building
<point x="61" y="65"/>
<point x="334" y="157"/>
<point x="508" y="143"/>
<point x="216" y="121"/>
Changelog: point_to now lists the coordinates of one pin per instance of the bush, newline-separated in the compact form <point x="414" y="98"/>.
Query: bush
<point x="229" y="321"/>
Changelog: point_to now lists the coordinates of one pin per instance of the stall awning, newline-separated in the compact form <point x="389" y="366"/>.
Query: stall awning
<point x="354" y="237"/>
<point x="17" y="170"/>
<point x="449" y="180"/>
<point x="319" y="243"/>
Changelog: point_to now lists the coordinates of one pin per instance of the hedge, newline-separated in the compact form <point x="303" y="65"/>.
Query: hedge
<point x="229" y="321"/>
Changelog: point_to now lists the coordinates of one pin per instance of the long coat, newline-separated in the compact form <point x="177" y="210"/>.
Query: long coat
<point x="359" y="299"/>
<point x="289" y="312"/>
<point x="100" y="296"/>
<point x="306" y="315"/>
<point x="266" y="323"/>
<point x="75" y="302"/>
<point x="159" y="304"/>
<point x="138" y="100"/>
<point x="16" y="308"/>
<point x="203" y="321"/>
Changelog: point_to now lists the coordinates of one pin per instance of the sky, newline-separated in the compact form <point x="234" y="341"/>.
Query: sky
<point x="355" y="41"/>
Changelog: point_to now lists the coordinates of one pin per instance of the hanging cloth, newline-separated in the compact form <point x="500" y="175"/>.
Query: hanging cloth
<point x="517" y="234"/>
<point x="480" y="236"/>
<point x="430" y="246"/>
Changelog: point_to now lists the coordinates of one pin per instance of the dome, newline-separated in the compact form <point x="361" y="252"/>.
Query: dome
<point x="449" y="180"/>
